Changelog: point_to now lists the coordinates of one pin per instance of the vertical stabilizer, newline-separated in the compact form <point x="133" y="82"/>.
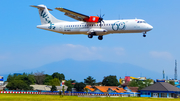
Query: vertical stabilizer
<point x="45" y="16"/>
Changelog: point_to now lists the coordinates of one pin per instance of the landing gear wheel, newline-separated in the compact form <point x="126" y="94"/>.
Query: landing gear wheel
<point x="144" y="34"/>
<point x="90" y="36"/>
<point x="100" y="37"/>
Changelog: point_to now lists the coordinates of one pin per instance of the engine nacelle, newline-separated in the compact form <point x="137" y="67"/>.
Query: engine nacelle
<point x="92" y="19"/>
<point x="98" y="31"/>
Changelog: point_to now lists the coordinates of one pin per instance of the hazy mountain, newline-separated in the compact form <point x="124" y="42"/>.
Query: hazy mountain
<point x="79" y="70"/>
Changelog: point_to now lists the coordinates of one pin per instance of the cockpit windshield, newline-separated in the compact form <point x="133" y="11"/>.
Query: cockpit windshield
<point x="141" y="21"/>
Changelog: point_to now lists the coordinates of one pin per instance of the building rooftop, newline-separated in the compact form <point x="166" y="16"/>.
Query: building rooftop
<point x="161" y="86"/>
<point x="90" y="87"/>
<point x="106" y="88"/>
<point x="133" y="89"/>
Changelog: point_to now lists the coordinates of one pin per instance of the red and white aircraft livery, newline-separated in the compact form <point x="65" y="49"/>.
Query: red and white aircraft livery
<point x="89" y="25"/>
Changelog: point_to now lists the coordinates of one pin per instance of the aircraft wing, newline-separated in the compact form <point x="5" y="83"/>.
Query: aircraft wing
<point x="73" y="14"/>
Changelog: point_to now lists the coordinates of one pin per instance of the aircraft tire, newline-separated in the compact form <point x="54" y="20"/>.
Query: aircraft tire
<point x="90" y="36"/>
<point x="144" y="35"/>
<point x="100" y="37"/>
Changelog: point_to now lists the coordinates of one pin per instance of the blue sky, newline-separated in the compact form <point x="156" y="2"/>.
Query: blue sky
<point x="23" y="46"/>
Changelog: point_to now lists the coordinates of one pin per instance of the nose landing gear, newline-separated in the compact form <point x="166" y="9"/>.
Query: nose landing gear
<point x="144" y="34"/>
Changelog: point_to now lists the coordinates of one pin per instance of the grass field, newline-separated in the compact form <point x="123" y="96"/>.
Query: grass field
<point x="26" y="97"/>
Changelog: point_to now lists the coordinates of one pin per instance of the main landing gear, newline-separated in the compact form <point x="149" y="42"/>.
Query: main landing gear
<point x="90" y="36"/>
<point x="100" y="37"/>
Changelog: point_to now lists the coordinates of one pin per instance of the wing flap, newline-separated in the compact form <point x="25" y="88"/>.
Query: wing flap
<point x="73" y="14"/>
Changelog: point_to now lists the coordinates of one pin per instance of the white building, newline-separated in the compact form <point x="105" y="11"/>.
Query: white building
<point x="1" y="80"/>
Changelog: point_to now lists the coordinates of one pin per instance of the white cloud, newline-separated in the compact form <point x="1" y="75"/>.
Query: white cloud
<point x="79" y="52"/>
<point x="162" y="55"/>
<point x="119" y="50"/>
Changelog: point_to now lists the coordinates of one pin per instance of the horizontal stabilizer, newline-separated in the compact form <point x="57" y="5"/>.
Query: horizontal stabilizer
<point x="39" y="7"/>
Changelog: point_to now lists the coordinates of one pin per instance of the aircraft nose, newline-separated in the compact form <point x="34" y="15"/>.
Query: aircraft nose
<point x="150" y="27"/>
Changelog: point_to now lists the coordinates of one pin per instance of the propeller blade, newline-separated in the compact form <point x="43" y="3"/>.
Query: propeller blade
<point x="102" y="21"/>
<point x="103" y="15"/>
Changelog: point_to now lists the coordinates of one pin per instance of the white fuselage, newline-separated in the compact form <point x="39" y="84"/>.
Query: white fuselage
<point x="111" y="26"/>
<point x="88" y="27"/>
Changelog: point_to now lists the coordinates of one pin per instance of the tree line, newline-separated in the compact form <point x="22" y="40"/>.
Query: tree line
<point x="23" y="81"/>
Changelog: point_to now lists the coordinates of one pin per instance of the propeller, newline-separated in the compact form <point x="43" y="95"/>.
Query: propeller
<point x="100" y="19"/>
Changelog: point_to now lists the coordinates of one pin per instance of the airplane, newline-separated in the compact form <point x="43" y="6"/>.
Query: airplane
<point x="89" y="25"/>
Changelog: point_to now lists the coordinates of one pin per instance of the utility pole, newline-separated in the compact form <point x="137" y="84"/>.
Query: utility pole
<point x="163" y="75"/>
<point x="175" y="75"/>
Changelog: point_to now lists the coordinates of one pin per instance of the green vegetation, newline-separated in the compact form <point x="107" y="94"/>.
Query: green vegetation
<point x="139" y="83"/>
<point x="26" y="97"/>
<point x="86" y="89"/>
<point x="79" y="86"/>
<point x="55" y="82"/>
<point x="59" y="76"/>
<point x="20" y="82"/>
<point x="110" y="81"/>
<point x="47" y="80"/>
<point x="23" y="82"/>
<point x="18" y="85"/>
<point x="171" y="82"/>
<point x="90" y="81"/>
<point x="53" y="88"/>
<point x="69" y="84"/>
